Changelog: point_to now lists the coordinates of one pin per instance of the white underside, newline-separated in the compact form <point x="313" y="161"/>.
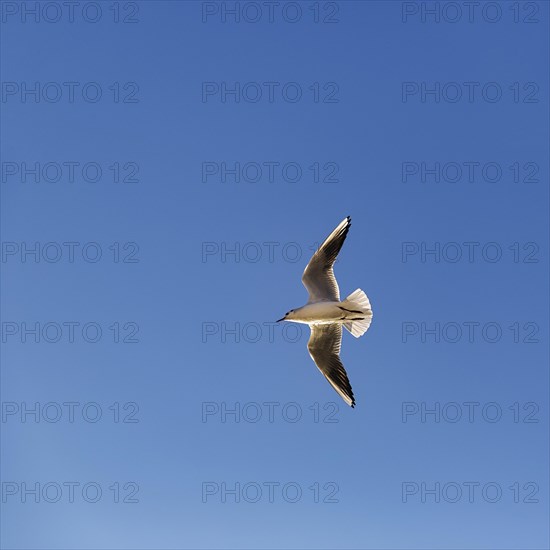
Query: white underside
<point x="318" y="314"/>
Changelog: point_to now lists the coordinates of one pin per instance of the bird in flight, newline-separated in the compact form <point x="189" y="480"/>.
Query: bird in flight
<point x="325" y="313"/>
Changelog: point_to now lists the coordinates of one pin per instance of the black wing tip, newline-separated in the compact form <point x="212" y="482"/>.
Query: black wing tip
<point x="348" y="392"/>
<point x="344" y="231"/>
<point x="348" y="224"/>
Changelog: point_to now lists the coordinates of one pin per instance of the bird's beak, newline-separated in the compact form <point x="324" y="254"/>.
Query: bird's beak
<point x="279" y="320"/>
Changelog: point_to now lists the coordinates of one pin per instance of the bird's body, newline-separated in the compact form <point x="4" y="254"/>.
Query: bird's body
<point x="318" y="313"/>
<point x="325" y="313"/>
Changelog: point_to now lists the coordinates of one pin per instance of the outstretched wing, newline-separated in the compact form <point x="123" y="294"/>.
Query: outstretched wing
<point x="318" y="277"/>
<point x="324" y="348"/>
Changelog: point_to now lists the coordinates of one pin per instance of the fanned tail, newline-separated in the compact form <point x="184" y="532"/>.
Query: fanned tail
<point x="357" y="303"/>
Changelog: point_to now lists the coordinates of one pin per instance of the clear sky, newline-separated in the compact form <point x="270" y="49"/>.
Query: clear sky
<point x="167" y="171"/>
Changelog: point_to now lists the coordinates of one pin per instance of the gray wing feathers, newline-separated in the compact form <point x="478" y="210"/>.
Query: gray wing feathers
<point x="318" y="277"/>
<point x="324" y="348"/>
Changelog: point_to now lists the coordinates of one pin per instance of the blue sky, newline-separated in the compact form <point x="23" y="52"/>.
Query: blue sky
<point x="159" y="272"/>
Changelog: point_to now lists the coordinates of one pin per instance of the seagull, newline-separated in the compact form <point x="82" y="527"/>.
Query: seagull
<point x="325" y="313"/>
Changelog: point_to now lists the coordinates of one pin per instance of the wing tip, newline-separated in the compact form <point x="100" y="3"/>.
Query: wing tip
<point x="347" y="395"/>
<point x="342" y="228"/>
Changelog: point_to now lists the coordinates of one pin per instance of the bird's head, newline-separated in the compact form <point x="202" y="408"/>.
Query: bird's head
<point x="287" y="316"/>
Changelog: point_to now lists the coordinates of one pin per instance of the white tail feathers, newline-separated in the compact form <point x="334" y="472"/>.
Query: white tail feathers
<point x="357" y="302"/>
<point x="358" y="328"/>
<point x="359" y="298"/>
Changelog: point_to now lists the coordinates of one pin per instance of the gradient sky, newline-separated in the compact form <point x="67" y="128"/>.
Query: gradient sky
<point x="196" y="266"/>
